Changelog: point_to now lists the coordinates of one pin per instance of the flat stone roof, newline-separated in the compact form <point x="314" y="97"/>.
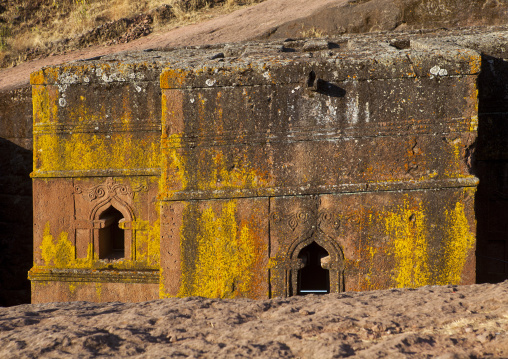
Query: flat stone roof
<point x="360" y="57"/>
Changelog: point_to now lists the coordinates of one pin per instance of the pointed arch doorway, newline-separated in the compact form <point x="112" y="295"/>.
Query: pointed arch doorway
<point x="313" y="277"/>
<point x="313" y="264"/>
<point x="111" y="236"/>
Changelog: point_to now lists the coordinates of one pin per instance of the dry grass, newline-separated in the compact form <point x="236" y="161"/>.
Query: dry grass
<point x="33" y="28"/>
<point x="493" y="323"/>
<point x="312" y="32"/>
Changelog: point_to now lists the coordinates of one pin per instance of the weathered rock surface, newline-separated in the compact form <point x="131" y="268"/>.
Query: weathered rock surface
<point x="358" y="16"/>
<point x="443" y="322"/>
<point x="285" y="147"/>
<point x="320" y="17"/>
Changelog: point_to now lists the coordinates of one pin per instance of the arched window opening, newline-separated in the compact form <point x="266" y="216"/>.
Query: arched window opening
<point x="313" y="278"/>
<point x="111" y="236"/>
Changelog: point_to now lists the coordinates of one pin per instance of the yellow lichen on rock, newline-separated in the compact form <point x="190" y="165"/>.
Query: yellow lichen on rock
<point x="72" y="287"/>
<point x="171" y="78"/>
<point x="407" y="230"/>
<point x="459" y="242"/>
<point x="148" y="242"/>
<point x="225" y="256"/>
<point x="45" y="104"/>
<point x="84" y="147"/>
<point x="174" y="177"/>
<point x="62" y="254"/>
<point x="370" y="274"/>
<point x="221" y="176"/>
<point x="80" y="151"/>
<point x="98" y="291"/>
<point x="154" y="244"/>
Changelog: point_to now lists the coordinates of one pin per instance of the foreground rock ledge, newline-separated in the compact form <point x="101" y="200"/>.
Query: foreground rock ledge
<point x="433" y="321"/>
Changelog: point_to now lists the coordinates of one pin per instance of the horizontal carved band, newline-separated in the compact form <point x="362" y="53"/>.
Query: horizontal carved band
<point x="331" y="189"/>
<point x="88" y="275"/>
<point x="125" y="225"/>
<point x="97" y="173"/>
<point x="294" y="219"/>
<point x="60" y="128"/>
<point x="372" y="129"/>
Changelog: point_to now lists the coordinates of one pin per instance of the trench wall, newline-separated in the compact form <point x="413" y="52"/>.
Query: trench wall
<point x="491" y="165"/>
<point x="16" y="232"/>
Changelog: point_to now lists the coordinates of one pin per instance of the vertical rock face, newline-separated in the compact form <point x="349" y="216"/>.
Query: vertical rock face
<point x="258" y="170"/>
<point x="490" y="158"/>
<point x="347" y="166"/>
<point x="361" y="16"/>
<point x="96" y="169"/>
<point x="15" y="195"/>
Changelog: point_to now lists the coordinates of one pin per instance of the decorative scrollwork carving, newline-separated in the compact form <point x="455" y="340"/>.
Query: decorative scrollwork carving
<point x="276" y="218"/>
<point x="96" y="192"/>
<point x="328" y="218"/>
<point x="140" y="188"/>
<point x="108" y="189"/>
<point x="293" y="222"/>
<point x="321" y="218"/>
<point x="294" y="219"/>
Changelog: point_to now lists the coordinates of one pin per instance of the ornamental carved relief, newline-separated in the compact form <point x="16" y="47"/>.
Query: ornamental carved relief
<point x="107" y="189"/>
<point x="299" y="226"/>
<point x="323" y="219"/>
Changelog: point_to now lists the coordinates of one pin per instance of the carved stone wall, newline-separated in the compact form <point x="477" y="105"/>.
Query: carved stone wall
<point x="360" y="153"/>
<point x="295" y="223"/>
<point x="227" y="170"/>
<point x="95" y="180"/>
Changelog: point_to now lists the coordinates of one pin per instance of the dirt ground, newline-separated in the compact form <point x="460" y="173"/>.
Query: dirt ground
<point x="441" y="322"/>
<point x="244" y="24"/>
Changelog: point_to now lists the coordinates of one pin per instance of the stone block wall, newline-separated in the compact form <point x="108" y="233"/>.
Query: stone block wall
<point x="358" y="151"/>
<point x="96" y="169"/>
<point x="256" y="169"/>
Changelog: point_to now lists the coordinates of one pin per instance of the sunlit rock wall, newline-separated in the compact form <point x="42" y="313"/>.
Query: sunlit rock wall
<point x="96" y="158"/>
<point x="361" y="148"/>
<point x="261" y="170"/>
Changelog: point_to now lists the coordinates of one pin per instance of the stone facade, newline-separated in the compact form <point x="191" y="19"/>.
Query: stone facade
<point x="256" y="170"/>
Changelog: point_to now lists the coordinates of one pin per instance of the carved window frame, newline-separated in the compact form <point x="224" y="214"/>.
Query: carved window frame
<point x="98" y="224"/>
<point x="294" y="264"/>
<point x="109" y="195"/>
<point x="319" y="226"/>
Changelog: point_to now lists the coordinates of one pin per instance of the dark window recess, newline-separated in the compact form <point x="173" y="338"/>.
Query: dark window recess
<point x="111" y="237"/>
<point x="313" y="278"/>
